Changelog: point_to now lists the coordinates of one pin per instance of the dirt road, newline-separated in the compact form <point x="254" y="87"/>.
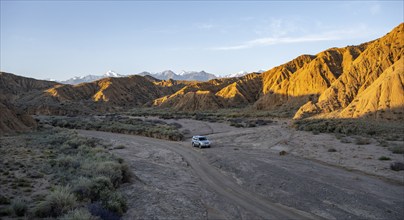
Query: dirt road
<point x="216" y="181"/>
<point x="240" y="179"/>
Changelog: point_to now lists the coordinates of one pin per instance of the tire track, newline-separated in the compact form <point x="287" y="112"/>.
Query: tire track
<point x="212" y="177"/>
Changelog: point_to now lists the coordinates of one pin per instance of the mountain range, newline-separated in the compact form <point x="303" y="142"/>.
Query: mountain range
<point x="90" y="78"/>
<point x="364" y="81"/>
<point x="184" y="75"/>
<point x="165" y="75"/>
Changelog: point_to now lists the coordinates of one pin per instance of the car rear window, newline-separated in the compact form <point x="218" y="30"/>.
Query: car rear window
<point x="202" y="139"/>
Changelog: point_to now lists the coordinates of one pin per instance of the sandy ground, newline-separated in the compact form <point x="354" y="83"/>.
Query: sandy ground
<point x="280" y="137"/>
<point x="243" y="176"/>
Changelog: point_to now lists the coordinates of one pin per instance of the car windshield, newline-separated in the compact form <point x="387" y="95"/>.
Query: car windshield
<point x="202" y="139"/>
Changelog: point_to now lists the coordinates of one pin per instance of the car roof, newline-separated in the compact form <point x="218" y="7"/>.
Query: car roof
<point x="198" y="136"/>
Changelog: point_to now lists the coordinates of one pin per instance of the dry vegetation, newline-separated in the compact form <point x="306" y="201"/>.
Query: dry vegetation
<point x="234" y="117"/>
<point x="54" y="173"/>
<point x="360" y="132"/>
<point x="118" y="124"/>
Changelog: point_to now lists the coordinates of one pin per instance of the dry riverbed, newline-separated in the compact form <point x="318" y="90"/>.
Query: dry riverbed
<point x="243" y="175"/>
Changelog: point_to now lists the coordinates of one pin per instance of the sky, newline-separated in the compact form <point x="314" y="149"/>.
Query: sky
<point x="62" y="39"/>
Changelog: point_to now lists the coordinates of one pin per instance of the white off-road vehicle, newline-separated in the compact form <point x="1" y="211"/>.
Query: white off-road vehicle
<point x="200" y="141"/>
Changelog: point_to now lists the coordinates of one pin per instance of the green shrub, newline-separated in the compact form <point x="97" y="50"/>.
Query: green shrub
<point x="384" y="158"/>
<point x="83" y="163"/>
<point x="78" y="214"/>
<point x="42" y="210"/>
<point x="109" y="169"/>
<point x="397" y="149"/>
<point x="82" y="188"/>
<point x="58" y="202"/>
<point x="67" y="161"/>
<point x="114" y="202"/>
<point x="126" y="173"/>
<point x="283" y="153"/>
<point x="99" y="185"/>
<point x="75" y="142"/>
<point x="19" y="207"/>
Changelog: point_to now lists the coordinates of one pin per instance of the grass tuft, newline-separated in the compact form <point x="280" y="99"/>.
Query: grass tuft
<point x="397" y="149"/>
<point x="78" y="214"/>
<point x="19" y="207"/>
<point x="384" y="158"/>
<point x="58" y="202"/>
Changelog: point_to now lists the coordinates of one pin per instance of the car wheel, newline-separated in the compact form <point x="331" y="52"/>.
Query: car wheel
<point x="200" y="146"/>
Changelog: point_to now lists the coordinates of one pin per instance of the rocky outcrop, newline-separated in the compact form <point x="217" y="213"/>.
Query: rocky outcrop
<point x="361" y="74"/>
<point x="305" y="78"/>
<point x="324" y="83"/>
<point x="383" y="99"/>
<point x="214" y="94"/>
<point x="199" y="100"/>
<point x="243" y="92"/>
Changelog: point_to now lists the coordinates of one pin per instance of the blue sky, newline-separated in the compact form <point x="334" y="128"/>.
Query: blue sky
<point x="59" y="40"/>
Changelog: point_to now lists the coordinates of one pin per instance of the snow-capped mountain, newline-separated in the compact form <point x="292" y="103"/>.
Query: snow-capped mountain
<point x="111" y="73"/>
<point x="238" y="74"/>
<point x="90" y="78"/>
<point x="168" y="74"/>
<point x="241" y="73"/>
<point x="165" y="75"/>
<point x="50" y="79"/>
<point x="184" y="75"/>
<point x="198" y="76"/>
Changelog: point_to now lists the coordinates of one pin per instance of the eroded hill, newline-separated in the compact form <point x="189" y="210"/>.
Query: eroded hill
<point x="324" y="84"/>
<point x="355" y="81"/>
<point x="22" y="96"/>
<point x="366" y="71"/>
<point x="214" y="94"/>
<point x="13" y="87"/>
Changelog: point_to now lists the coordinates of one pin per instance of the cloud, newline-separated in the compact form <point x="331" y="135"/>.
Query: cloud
<point x="357" y="32"/>
<point x="273" y="41"/>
